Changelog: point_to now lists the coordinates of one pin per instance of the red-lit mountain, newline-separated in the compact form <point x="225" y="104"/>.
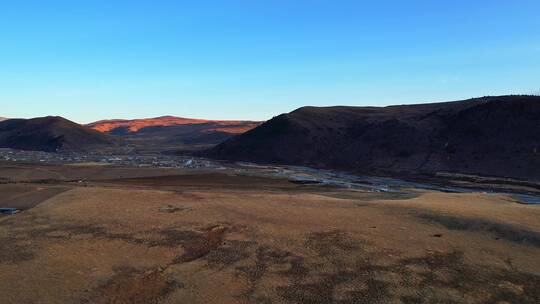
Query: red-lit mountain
<point x="168" y="132"/>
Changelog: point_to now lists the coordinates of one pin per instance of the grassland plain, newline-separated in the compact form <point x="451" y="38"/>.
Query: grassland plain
<point x="149" y="236"/>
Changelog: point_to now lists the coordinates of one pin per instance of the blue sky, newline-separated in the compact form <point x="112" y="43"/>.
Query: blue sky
<point x="90" y="60"/>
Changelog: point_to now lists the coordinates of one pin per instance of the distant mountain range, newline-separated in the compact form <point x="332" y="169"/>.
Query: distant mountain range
<point x="494" y="136"/>
<point x="51" y="134"/>
<point x="3" y="118"/>
<point x="170" y="132"/>
<point x="161" y="134"/>
<point x="167" y="133"/>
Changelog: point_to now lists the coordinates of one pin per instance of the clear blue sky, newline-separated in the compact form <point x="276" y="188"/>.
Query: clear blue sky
<point x="253" y="59"/>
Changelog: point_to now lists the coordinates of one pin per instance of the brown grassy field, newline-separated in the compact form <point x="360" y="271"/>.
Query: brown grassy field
<point x="98" y="234"/>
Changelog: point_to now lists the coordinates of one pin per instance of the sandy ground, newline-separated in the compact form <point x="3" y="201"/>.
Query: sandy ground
<point x="150" y="236"/>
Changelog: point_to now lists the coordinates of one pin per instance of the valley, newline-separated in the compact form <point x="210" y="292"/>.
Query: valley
<point x="315" y="206"/>
<point x="269" y="152"/>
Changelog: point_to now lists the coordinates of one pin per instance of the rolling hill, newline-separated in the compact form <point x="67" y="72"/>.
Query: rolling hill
<point x="492" y="136"/>
<point x="51" y="134"/>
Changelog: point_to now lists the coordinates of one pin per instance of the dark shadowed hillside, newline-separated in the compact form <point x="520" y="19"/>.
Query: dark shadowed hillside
<point x="495" y="136"/>
<point x="50" y="134"/>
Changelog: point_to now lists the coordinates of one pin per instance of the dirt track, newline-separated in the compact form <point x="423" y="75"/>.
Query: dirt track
<point x="229" y="239"/>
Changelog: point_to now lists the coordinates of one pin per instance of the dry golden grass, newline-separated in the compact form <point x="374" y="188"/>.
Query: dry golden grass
<point x="215" y="238"/>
